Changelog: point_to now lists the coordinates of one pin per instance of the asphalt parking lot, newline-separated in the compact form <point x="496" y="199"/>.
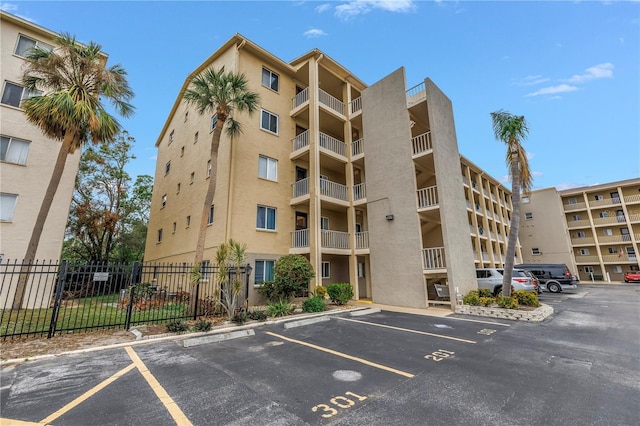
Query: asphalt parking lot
<point x="581" y="366"/>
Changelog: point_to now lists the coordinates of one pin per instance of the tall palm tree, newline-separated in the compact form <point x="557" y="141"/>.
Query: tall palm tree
<point x="74" y="80"/>
<point x="220" y="93"/>
<point x="513" y="130"/>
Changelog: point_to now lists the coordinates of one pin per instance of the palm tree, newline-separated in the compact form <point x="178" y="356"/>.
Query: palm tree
<point x="219" y="93"/>
<point x="512" y="130"/>
<point x="75" y="80"/>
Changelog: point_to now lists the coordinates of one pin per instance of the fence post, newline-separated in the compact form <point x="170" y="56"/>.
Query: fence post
<point x="62" y="275"/>
<point x="195" y="304"/>
<point x="135" y="272"/>
<point x="247" y="276"/>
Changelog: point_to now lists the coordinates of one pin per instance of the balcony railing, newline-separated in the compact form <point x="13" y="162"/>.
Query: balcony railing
<point x="433" y="258"/>
<point x="575" y="206"/>
<point x="605" y="202"/>
<point x="357" y="147"/>
<point x="587" y="259"/>
<point x="300" y="188"/>
<point x="578" y="223"/>
<point x="605" y="239"/>
<point x="416" y="94"/>
<point x="355" y="105"/>
<point x="301" y="140"/>
<point x="427" y="197"/>
<point x="300" y="238"/>
<point x="332" y="144"/>
<point x="421" y="143"/>
<point x="620" y="257"/>
<point x="335" y="239"/>
<point x="585" y="240"/>
<point x="331" y="102"/>
<point x="485" y="256"/>
<point x="632" y="198"/>
<point x="301" y="98"/>
<point x="609" y="219"/>
<point x="333" y="189"/>
<point x="633" y="217"/>
<point x="362" y="240"/>
<point x="359" y="191"/>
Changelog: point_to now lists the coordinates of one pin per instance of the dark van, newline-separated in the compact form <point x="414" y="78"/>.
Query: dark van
<point x="553" y="277"/>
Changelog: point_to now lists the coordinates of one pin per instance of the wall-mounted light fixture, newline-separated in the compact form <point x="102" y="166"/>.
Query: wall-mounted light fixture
<point x="389" y="217"/>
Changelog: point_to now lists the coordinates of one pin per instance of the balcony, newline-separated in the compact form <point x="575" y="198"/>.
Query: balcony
<point x="416" y="94"/>
<point x="300" y="238"/>
<point x="357" y="148"/>
<point x="421" y="144"/>
<point x="574" y="206"/>
<point x="301" y="141"/>
<point x="607" y="220"/>
<point x="619" y="258"/>
<point x="301" y="98"/>
<point x="583" y="241"/>
<point x="335" y="239"/>
<point x="355" y="106"/>
<point x="605" y="239"/>
<point x="605" y="202"/>
<point x="333" y="145"/>
<point x="300" y="188"/>
<point x="427" y="197"/>
<point x="578" y="223"/>
<point x="360" y="192"/>
<point x="330" y="102"/>
<point x="433" y="258"/>
<point x="630" y="199"/>
<point x="587" y="259"/>
<point x="333" y="190"/>
<point x="362" y="240"/>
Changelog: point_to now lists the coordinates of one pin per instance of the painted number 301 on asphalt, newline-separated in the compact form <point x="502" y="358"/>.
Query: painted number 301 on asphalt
<point x="338" y="401"/>
<point x="439" y="355"/>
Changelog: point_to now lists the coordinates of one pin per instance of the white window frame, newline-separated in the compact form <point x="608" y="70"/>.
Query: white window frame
<point x="211" y="215"/>
<point x="167" y="168"/>
<point x="214" y="122"/>
<point x="603" y="214"/>
<point x="584" y="252"/>
<point x="577" y="217"/>
<point x="266" y="210"/>
<point x="326" y="270"/>
<point x="617" y="269"/>
<point x="572" y="201"/>
<point x="159" y="236"/>
<point x="37" y="43"/>
<point x="324" y="223"/>
<point x="25" y="94"/>
<point x="267" y="168"/>
<point x="15" y="152"/>
<point x="581" y="234"/>
<point x="525" y="200"/>
<point x="588" y="269"/>
<point x="204" y="270"/>
<point x="360" y="269"/>
<point x="598" y="197"/>
<point x="263" y="273"/>
<point x="612" y="250"/>
<point x="268" y="125"/>
<point x="7" y="206"/>
<point x="164" y="201"/>
<point x="535" y="251"/>
<point x="266" y="72"/>
<point x="172" y="136"/>
<point x="528" y="216"/>
<point x="209" y="168"/>
<point x="608" y="232"/>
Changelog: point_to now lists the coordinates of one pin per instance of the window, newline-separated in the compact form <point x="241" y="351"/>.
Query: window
<point x="205" y="270"/>
<point x="182" y="151"/>
<point x="326" y="270"/>
<point x="270" y="79"/>
<point x="572" y="201"/>
<point x="195" y="137"/>
<point x="178" y="189"/>
<point x="7" y="206"/>
<point x="525" y="200"/>
<point x="160" y="235"/>
<point x="175" y="225"/>
<point x="617" y="269"/>
<point x="598" y="197"/>
<point x="13" y="150"/>
<point x="360" y="270"/>
<point x="588" y="269"/>
<point x="188" y="221"/>
<point x="267" y="168"/>
<point x="580" y="234"/>
<point x="613" y="250"/>
<point x="576" y="217"/>
<point x="324" y="223"/>
<point x="269" y="121"/>
<point x="209" y="168"/>
<point x="14" y="94"/>
<point x="584" y="252"/>
<point x="172" y="136"/>
<point x="603" y="214"/>
<point x="186" y="116"/>
<point x="528" y="216"/>
<point x="608" y="232"/>
<point x="167" y="168"/>
<point x="210" y="217"/>
<point x="26" y="43"/>
<point x="263" y="271"/>
<point x="266" y="218"/>
<point x="536" y="251"/>
<point x="214" y="121"/>
<point x="164" y="200"/>
<point x="193" y="177"/>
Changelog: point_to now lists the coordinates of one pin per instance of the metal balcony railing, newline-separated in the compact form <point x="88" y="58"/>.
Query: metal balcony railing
<point x="301" y="140"/>
<point x="433" y="258"/>
<point x="331" y="102"/>
<point x="301" y="98"/>
<point x="335" y="239"/>
<point x="355" y="105"/>
<point x="359" y="191"/>
<point x="357" y="147"/>
<point x="333" y="189"/>
<point x="332" y="144"/>
<point x="300" y="238"/>
<point x="300" y="188"/>
<point x="362" y="240"/>
<point x="416" y="94"/>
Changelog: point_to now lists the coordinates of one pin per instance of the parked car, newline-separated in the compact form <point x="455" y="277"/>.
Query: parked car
<point x="632" y="276"/>
<point x="553" y="277"/>
<point x="491" y="279"/>
<point x="534" y="280"/>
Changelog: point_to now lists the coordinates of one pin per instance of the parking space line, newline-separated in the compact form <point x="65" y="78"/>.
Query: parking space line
<point x="167" y="401"/>
<point x="87" y="394"/>
<point x="457" y="339"/>
<point x="480" y="321"/>
<point x="340" y="354"/>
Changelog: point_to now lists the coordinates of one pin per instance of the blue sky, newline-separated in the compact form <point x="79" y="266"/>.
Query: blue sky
<point x="571" y="68"/>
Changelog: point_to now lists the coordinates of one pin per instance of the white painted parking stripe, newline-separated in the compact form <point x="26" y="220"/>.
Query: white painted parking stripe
<point x="343" y="355"/>
<point x="442" y="336"/>
<point x="480" y="321"/>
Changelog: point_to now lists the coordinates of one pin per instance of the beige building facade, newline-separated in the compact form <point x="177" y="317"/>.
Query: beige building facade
<point x="365" y="181"/>
<point x="27" y="157"/>
<point x="595" y="230"/>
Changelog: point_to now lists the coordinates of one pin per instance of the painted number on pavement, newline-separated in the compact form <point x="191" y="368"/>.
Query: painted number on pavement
<point x="486" y="331"/>
<point x="439" y="355"/>
<point x="338" y="401"/>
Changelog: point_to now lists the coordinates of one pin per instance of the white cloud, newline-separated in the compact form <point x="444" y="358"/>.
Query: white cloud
<point x="323" y="8"/>
<point x="564" y="186"/>
<point x="530" y="155"/>
<point x="8" y="7"/>
<point x="532" y="80"/>
<point x="537" y="174"/>
<point x="599" y="71"/>
<point x="552" y="90"/>
<point x="356" y="7"/>
<point x="314" y="33"/>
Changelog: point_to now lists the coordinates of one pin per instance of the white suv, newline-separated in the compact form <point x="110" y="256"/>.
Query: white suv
<point x="491" y="279"/>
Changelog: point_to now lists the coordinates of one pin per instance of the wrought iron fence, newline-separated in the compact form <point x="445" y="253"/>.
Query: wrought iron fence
<point x="49" y="298"/>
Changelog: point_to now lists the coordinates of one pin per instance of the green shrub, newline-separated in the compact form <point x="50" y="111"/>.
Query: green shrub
<point x="486" y="301"/>
<point x="485" y="292"/>
<point x="527" y="298"/>
<point x="202" y="325"/>
<point x="257" y="315"/>
<point x="321" y="292"/>
<point x="280" y="308"/>
<point x="340" y="293"/>
<point x="505" y="302"/>
<point x="177" y="326"/>
<point x="313" y="304"/>
<point x="239" y="318"/>
<point x="292" y="273"/>
<point x="269" y="290"/>
<point x="472" y="298"/>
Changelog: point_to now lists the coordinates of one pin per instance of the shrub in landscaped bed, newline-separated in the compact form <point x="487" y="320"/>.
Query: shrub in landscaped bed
<point x="485" y="292"/>
<point x="313" y="304"/>
<point x="291" y="274"/>
<point x="486" y="301"/>
<point x="472" y="298"/>
<point x="527" y="298"/>
<point x="507" y="302"/>
<point x="340" y="293"/>
<point x="177" y="326"/>
<point x="202" y="325"/>
<point x="280" y="308"/>
<point x="321" y="292"/>
<point x="257" y="315"/>
<point x="239" y="318"/>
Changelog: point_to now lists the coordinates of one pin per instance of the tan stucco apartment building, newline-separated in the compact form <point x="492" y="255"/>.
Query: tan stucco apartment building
<point x="26" y="156"/>
<point x="365" y="181"/>
<point x="595" y="230"/>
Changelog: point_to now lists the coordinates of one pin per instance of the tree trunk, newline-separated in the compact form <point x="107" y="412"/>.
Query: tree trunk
<point x="32" y="247"/>
<point x="512" y="241"/>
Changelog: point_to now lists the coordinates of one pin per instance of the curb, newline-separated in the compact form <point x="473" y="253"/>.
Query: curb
<point x="536" y="315"/>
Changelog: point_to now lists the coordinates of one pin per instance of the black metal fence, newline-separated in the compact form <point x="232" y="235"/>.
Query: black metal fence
<point x="65" y="297"/>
